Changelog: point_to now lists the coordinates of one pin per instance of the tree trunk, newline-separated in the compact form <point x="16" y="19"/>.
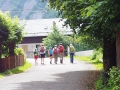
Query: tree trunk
<point x="109" y="56"/>
<point x="11" y="48"/>
<point x="118" y="48"/>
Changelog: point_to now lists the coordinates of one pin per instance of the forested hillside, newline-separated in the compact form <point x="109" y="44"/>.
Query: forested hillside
<point x="27" y="9"/>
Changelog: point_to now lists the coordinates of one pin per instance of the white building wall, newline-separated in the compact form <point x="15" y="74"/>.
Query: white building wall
<point x="29" y="49"/>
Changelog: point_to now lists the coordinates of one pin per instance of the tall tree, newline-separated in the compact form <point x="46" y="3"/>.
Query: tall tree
<point x="96" y="18"/>
<point x="56" y="37"/>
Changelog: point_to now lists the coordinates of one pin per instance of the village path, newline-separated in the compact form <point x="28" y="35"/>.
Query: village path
<point x="65" y="76"/>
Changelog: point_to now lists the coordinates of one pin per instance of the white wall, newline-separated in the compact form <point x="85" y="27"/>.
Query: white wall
<point x="84" y="53"/>
<point x="31" y="48"/>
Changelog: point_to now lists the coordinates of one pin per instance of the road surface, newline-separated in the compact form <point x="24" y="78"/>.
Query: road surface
<point x="64" y="76"/>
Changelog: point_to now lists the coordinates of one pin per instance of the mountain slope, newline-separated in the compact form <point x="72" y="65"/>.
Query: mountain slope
<point x="27" y="9"/>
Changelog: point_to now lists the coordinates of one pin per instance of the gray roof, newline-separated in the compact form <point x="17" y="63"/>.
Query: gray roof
<point x="42" y="27"/>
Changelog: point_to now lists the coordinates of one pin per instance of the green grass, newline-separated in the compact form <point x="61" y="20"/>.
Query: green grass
<point x="16" y="70"/>
<point x="97" y="64"/>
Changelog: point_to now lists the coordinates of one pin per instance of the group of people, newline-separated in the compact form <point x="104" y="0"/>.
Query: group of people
<point x="55" y="52"/>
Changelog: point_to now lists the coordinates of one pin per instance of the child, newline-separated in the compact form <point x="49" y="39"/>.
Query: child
<point x="36" y="57"/>
<point x="50" y="53"/>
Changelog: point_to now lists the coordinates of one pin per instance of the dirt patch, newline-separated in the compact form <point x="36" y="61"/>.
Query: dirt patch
<point x="90" y="78"/>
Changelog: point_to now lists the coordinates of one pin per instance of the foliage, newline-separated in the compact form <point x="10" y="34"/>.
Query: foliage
<point x="19" y="51"/>
<point x="97" y="19"/>
<point x="55" y="38"/>
<point x="15" y="30"/>
<point x="97" y="55"/>
<point x="113" y="81"/>
<point x="81" y="43"/>
<point x="85" y="16"/>
<point x="12" y="35"/>
<point x="4" y="26"/>
<point x="88" y="41"/>
<point x="17" y="70"/>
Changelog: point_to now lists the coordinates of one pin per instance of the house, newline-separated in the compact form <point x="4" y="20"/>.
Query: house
<point x="38" y="29"/>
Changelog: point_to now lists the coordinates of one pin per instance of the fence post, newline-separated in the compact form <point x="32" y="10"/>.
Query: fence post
<point x="1" y="65"/>
<point x="8" y="61"/>
<point x="22" y="59"/>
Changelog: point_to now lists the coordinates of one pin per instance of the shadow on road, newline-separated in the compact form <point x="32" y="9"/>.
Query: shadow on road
<point x="73" y="80"/>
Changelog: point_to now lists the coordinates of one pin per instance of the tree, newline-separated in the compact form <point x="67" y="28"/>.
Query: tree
<point x="56" y="37"/>
<point x="4" y="29"/>
<point x="10" y="32"/>
<point x="96" y="18"/>
<point x="16" y="36"/>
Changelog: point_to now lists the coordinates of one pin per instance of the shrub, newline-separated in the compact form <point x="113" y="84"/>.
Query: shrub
<point x="97" y="55"/>
<point x="19" y="51"/>
<point x="113" y="83"/>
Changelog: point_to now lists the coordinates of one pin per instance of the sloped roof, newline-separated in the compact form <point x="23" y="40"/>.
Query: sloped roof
<point x="42" y="27"/>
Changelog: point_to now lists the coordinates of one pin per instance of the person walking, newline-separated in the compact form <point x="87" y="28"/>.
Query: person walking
<point x="72" y="51"/>
<point x="36" y="56"/>
<point x="55" y="53"/>
<point x="42" y="53"/>
<point x="50" y="53"/>
<point x="61" y="52"/>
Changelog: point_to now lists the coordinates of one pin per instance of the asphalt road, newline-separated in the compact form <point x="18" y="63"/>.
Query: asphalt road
<point x="64" y="76"/>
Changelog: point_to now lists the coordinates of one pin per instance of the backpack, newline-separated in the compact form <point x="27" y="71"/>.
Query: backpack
<point x="42" y="49"/>
<point x="72" y="49"/>
<point x="55" y="50"/>
<point x="51" y="51"/>
<point x="35" y="53"/>
<point x="61" y="48"/>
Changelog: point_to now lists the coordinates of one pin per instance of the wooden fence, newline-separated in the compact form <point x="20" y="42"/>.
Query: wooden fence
<point x="11" y="62"/>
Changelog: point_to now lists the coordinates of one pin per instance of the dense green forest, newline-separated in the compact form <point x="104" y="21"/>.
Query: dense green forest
<point x="27" y="9"/>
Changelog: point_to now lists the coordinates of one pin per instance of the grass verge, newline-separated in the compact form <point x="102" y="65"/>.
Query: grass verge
<point x="16" y="70"/>
<point x="97" y="64"/>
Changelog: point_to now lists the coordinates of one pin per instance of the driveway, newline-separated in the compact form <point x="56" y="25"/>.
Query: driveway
<point x="65" y="76"/>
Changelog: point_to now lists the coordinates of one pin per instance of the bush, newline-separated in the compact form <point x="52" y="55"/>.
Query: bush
<point x="97" y="55"/>
<point x="113" y="83"/>
<point x="19" y="51"/>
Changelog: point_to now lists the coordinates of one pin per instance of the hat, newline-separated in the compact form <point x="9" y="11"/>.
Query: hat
<point x="70" y="44"/>
<point x="55" y="45"/>
<point x="42" y="44"/>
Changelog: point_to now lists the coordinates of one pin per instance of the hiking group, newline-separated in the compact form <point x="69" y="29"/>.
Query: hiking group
<point x="55" y="52"/>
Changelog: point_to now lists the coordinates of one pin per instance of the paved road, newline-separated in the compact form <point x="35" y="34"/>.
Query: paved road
<point x="65" y="76"/>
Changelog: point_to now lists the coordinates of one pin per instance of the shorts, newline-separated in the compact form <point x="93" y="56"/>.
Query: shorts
<point x="42" y="55"/>
<point x="36" y="57"/>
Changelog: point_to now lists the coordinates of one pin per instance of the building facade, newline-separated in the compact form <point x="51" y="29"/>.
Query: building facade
<point x="36" y="30"/>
